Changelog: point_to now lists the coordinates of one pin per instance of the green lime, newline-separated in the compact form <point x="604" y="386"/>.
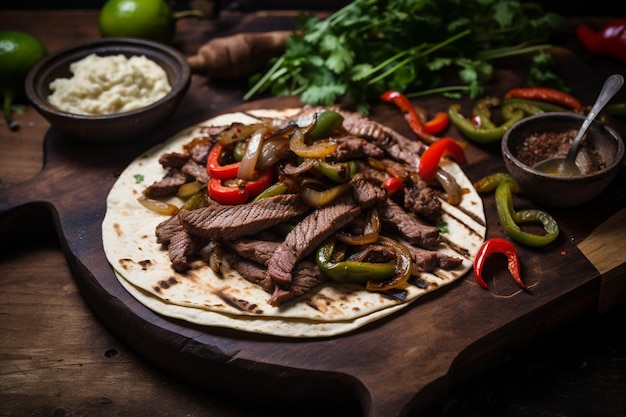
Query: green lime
<point x="148" y="19"/>
<point x="19" y="52"/>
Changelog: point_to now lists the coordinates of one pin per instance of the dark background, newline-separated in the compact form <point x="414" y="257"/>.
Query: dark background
<point x="566" y="8"/>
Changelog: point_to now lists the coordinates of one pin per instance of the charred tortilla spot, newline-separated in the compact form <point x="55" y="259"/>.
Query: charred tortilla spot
<point x="419" y="282"/>
<point x="320" y="302"/>
<point x="239" y="304"/>
<point x="157" y="289"/>
<point x="145" y="264"/>
<point x="165" y="284"/>
<point x="118" y="229"/>
<point x="126" y="263"/>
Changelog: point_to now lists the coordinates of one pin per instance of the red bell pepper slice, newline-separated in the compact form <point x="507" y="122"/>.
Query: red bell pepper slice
<point x="241" y="191"/>
<point x="410" y="114"/>
<point x="429" y="161"/>
<point x="498" y="245"/>
<point x="437" y="124"/>
<point x="215" y="170"/>
<point x="392" y="185"/>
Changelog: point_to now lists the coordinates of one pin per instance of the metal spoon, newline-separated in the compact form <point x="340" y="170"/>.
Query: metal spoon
<point x="567" y="166"/>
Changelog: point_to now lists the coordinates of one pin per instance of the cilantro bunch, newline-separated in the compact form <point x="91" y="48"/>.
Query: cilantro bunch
<point x="414" y="46"/>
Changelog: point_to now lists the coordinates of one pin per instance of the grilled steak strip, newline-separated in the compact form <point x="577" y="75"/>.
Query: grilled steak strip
<point x="395" y="145"/>
<point x="254" y="249"/>
<point x="411" y="229"/>
<point x="306" y="276"/>
<point x="181" y="250"/>
<point x="167" y="186"/>
<point x="307" y="235"/>
<point x="223" y="222"/>
<point x="352" y="147"/>
<point x="365" y="193"/>
<point x="168" y="228"/>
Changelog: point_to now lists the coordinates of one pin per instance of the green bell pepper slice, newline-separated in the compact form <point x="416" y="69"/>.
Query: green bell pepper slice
<point x="481" y="134"/>
<point x="510" y="219"/>
<point x="354" y="272"/>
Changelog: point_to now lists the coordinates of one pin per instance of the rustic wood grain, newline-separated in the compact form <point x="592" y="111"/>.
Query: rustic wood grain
<point x="58" y="359"/>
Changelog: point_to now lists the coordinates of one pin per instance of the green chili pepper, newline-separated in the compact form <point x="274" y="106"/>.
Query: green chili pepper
<point x="239" y="150"/>
<point x="479" y="134"/>
<point x="337" y="171"/>
<point x="355" y="272"/>
<point x="542" y="105"/>
<point x="508" y="109"/>
<point x="617" y="109"/>
<point x="326" y="122"/>
<point x="510" y="219"/>
<point x="482" y="110"/>
<point x="271" y="191"/>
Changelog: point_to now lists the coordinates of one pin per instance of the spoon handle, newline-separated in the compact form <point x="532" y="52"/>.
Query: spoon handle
<point x="611" y="86"/>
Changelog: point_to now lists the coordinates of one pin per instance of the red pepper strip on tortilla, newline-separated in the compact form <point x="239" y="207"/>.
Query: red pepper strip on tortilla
<point x="429" y="161"/>
<point x="548" y="94"/>
<point x="215" y="170"/>
<point x="498" y="245"/>
<point x="237" y="191"/>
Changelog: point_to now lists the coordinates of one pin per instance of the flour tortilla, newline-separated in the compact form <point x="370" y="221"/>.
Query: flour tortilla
<point x="202" y="297"/>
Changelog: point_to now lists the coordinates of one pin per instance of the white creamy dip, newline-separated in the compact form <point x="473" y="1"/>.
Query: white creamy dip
<point x="109" y="84"/>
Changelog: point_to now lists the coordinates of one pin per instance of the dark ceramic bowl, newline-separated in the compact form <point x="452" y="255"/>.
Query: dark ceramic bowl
<point x="114" y="127"/>
<point x="562" y="191"/>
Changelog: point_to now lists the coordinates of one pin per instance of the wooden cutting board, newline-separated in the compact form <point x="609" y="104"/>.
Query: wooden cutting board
<point x="402" y="364"/>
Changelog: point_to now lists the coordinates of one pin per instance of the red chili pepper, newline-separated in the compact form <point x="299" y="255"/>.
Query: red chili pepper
<point x="429" y="161"/>
<point x="548" y="94"/>
<point x="609" y="41"/>
<point x="393" y="185"/>
<point x="498" y="245"/>
<point x="215" y="170"/>
<point x="240" y="191"/>
<point x="411" y="115"/>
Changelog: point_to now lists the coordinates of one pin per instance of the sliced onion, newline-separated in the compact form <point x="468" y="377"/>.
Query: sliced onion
<point x="237" y="132"/>
<point x="454" y="193"/>
<point x="157" y="206"/>
<point x="370" y="232"/>
<point x="317" y="199"/>
<point x="318" y="149"/>
<point x="404" y="265"/>
<point x="272" y="151"/>
<point x="187" y="190"/>
<point x="251" y="155"/>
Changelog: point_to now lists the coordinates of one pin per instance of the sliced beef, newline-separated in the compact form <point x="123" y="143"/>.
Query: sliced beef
<point x="422" y="201"/>
<point x="168" y="228"/>
<point x="173" y="160"/>
<point x="222" y="222"/>
<point x="250" y="270"/>
<point x="408" y="225"/>
<point x="365" y="193"/>
<point x="167" y="186"/>
<point x="395" y="145"/>
<point x="199" y="153"/>
<point x="306" y="276"/>
<point x="195" y="170"/>
<point x="428" y="260"/>
<point x="352" y="147"/>
<point x="254" y="249"/>
<point x="308" y="234"/>
<point x="181" y="250"/>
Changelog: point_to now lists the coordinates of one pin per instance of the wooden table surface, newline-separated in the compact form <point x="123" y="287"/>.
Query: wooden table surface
<point x="57" y="358"/>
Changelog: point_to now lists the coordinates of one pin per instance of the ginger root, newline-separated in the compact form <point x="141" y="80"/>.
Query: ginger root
<point x="237" y="56"/>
